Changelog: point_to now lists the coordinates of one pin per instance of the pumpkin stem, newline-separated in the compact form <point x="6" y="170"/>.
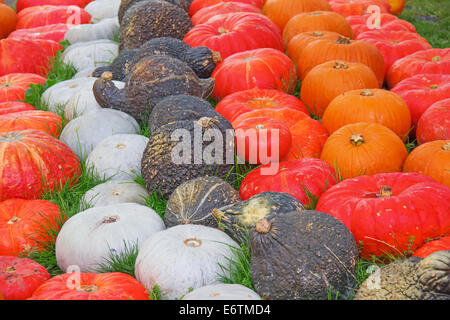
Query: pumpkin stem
<point x="357" y="139"/>
<point x="86" y="288"/>
<point x="216" y="57"/>
<point x="6" y="84"/>
<point x="434" y="86"/>
<point x="436" y="59"/>
<point x="317" y="34"/>
<point x="343" y="40"/>
<point x="263" y="226"/>
<point x="206" y="122"/>
<point x="340" y="65"/>
<point x="446" y="147"/>
<point x="367" y="93"/>
<point x="259" y="126"/>
<point x="315" y="13"/>
<point x="186" y="221"/>
<point x="10" y="269"/>
<point x="222" y="30"/>
<point x="13" y="220"/>
<point x="385" y="191"/>
<point x="107" y="75"/>
<point x="111" y="219"/>
<point x="193" y="242"/>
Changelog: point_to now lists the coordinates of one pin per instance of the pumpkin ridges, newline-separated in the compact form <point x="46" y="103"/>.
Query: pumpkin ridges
<point x="434" y="123"/>
<point x="299" y="42"/>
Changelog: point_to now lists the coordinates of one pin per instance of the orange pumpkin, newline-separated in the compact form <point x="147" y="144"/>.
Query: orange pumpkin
<point x="330" y="79"/>
<point x="397" y="6"/>
<point x="364" y="149"/>
<point x="8" y="20"/>
<point x="46" y="121"/>
<point x="299" y="42"/>
<point x="342" y="49"/>
<point x="368" y="105"/>
<point x="316" y="21"/>
<point x="280" y="11"/>
<point x="431" y="159"/>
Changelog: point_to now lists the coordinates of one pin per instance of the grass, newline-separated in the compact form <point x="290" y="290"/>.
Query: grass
<point x="122" y="261"/>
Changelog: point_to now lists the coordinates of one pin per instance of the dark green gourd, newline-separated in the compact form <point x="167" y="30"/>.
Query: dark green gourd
<point x="120" y="67"/>
<point x="125" y="4"/>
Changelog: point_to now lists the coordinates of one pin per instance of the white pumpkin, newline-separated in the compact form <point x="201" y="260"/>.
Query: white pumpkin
<point x="118" y="157"/>
<point x="89" y="237"/>
<point x="97" y="53"/>
<point x="104" y="29"/>
<point x="82" y="134"/>
<point x="222" y="291"/>
<point x="85" y="73"/>
<point x="102" y="9"/>
<point x="183" y="257"/>
<point x="114" y="192"/>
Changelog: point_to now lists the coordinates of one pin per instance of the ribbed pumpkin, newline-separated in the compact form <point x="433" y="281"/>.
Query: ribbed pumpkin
<point x="299" y="42"/>
<point x="436" y="61"/>
<point x="330" y="79"/>
<point x="14" y="106"/>
<point x="45" y="121"/>
<point x="45" y="15"/>
<point x="390" y="212"/>
<point x="55" y="32"/>
<point x="368" y="105"/>
<point x="14" y="85"/>
<point x="434" y="124"/>
<point x="344" y="49"/>
<point x="364" y="149"/>
<point x="387" y="21"/>
<point x="204" y="14"/>
<point x="433" y="246"/>
<point x="358" y="7"/>
<point x="197" y="5"/>
<point x="431" y="159"/>
<point x="8" y="20"/>
<point x="316" y="21"/>
<point x="22" y="4"/>
<point x="264" y="68"/>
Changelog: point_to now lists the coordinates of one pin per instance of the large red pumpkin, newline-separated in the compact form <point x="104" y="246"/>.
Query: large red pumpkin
<point x="442" y="244"/>
<point x="264" y="68"/>
<point x="304" y="179"/>
<point x="197" y="5"/>
<point x="23" y="224"/>
<point x="23" y="4"/>
<point x="434" y="124"/>
<point x="33" y="161"/>
<point x="235" y="32"/>
<point x="55" y="32"/>
<point x="91" y="286"/>
<point x="358" y="7"/>
<point x="19" y="278"/>
<point x="45" y="121"/>
<point x="421" y="91"/>
<point x="45" y="15"/>
<point x="387" y="21"/>
<point x="14" y="106"/>
<point x="203" y="15"/>
<point x="14" y="85"/>
<point x="390" y="212"/>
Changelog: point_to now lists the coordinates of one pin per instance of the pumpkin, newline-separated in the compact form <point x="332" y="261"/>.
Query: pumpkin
<point x="397" y="6"/>
<point x="206" y="13"/>
<point x="280" y="11"/>
<point x="46" y="121"/>
<point x="235" y="32"/>
<point x="126" y="4"/>
<point x="387" y="21"/>
<point x="89" y="237"/>
<point x="240" y="102"/>
<point x="183" y="257"/>
<point x="8" y="18"/>
<point x="104" y="29"/>
<point x="53" y="32"/>
<point x="316" y="21"/>
<point x="431" y="159"/>
<point x="91" y="286"/>
<point x="421" y="91"/>
<point x="302" y="255"/>
<point x="115" y="192"/>
<point x="14" y="85"/>
<point x="394" y="45"/>
<point x="34" y="162"/>
<point x="434" y="123"/>
<point x="430" y="61"/>
<point x="442" y="244"/>
<point x="358" y="7"/>
<point x="102" y="9"/>
<point x="23" y="224"/>
<point x="363" y="149"/>
<point x="193" y="201"/>
<point x="14" y="106"/>
<point x="38" y="16"/>
<point x="328" y="80"/>
<point x="117" y="157"/>
<point x="368" y="105"/>
<point x="222" y="292"/>
<point x="299" y="42"/>
<point x="82" y="134"/>
<point x="20" y="277"/>
<point x="343" y="48"/>
<point x="389" y="213"/>
<point x="198" y="5"/>
<point x="23" y="4"/>
<point x="304" y="179"/>
<point x="27" y="55"/>
<point x="264" y="68"/>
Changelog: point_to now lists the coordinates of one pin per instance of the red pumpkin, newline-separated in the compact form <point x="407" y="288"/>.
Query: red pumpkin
<point x="45" y="121"/>
<point x="27" y="55"/>
<point x="390" y="212"/>
<point x="235" y="32"/>
<point x="304" y="179"/>
<point x="32" y="162"/>
<point x="14" y="85"/>
<point x="264" y="68"/>
<point x="45" y="15"/>
<point x="241" y="102"/>
<point x="19" y="278"/>
<point x="436" y="61"/>
<point x="197" y="5"/>
<point x="394" y="45"/>
<point x="386" y="22"/>
<point x="23" y="224"/>
<point x="14" y="106"/>
<point x="434" y="124"/>
<point x="358" y="7"/>
<point x="55" y="32"/>
<point x="23" y="4"/>
<point x="203" y="15"/>
<point x="421" y="91"/>
<point x="91" y="286"/>
<point x="442" y="244"/>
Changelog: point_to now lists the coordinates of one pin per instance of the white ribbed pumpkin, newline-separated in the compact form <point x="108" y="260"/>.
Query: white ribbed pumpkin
<point x="183" y="257"/>
<point x="104" y="29"/>
<point x="89" y="237"/>
<point x="102" y="9"/>
<point x="97" y="53"/>
<point x="222" y="291"/>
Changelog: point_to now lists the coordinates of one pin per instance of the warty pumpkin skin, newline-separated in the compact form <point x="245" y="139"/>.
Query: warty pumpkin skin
<point x="434" y="124"/>
<point x="14" y="85"/>
<point x="38" y="16"/>
<point x="45" y="121"/>
<point x="358" y="7"/>
<point x="302" y="255"/>
<point x="198" y="5"/>
<point x="125" y="4"/>
<point x="8" y="20"/>
<point x="206" y="13"/>
<point x="442" y="244"/>
<point x="390" y="213"/>
<point x="387" y="22"/>
<point x="431" y="159"/>
<point x="328" y="80"/>
<point x="368" y="105"/>
<point x="14" y="106"/>
<point x="363" y="149"/>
